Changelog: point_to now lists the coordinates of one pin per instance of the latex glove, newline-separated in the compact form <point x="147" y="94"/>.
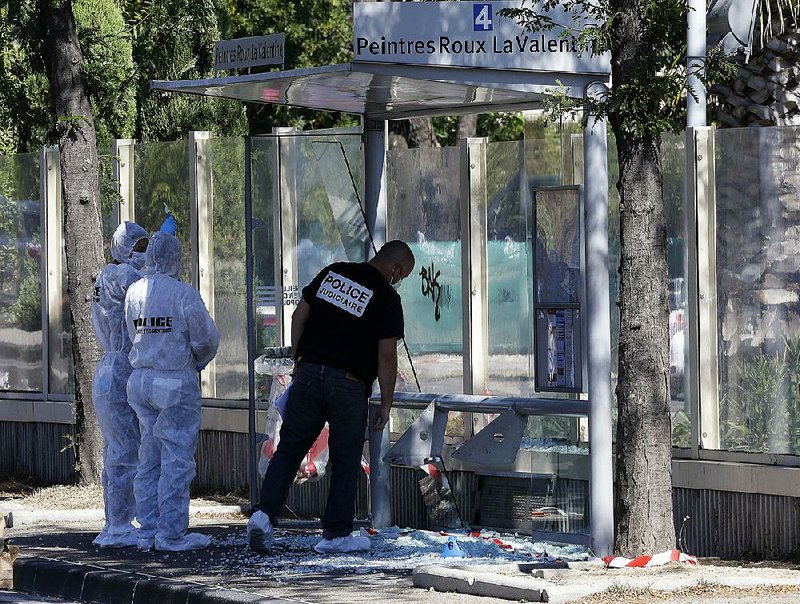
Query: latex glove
<point x="169" y="225"/>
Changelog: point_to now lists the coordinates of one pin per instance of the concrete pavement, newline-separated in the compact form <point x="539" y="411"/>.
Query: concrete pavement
<point x="59" y="559"/>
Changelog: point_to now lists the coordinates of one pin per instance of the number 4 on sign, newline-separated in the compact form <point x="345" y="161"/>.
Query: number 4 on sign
<point x="482" y="17"/>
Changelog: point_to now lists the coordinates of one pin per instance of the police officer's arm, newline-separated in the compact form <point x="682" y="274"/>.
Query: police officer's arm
<point x="102" y="328"/>
<point x="299" y="318"/>
<point x="387" y="375"/>
<point x="203" y="334"/>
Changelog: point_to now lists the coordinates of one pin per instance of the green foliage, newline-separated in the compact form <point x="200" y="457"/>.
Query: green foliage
<point x="26" y="118"/>
<point x="171" y="41"/>
<point x="681" y="430"/>
<point x="9" y="227"/>
<point x="647" y="43"/>
<point x="494" y="126"/>
<point x="26" y="312"/>
<point x="124" y="46"/>
<point x="162" y="178"/>
<point x="228" y="217"/>
<point x="19" y="181"/>
<point x="760" y="411"/>
<point x="108" y="60"/>
<point x="25" y="107"/>
<point x="318" y="32"/>
<point x="109" y="195"/>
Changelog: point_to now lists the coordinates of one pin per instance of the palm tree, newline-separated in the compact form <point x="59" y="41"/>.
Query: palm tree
<point x="766" y="89"/>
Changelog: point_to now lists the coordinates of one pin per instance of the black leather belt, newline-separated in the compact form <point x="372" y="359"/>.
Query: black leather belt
<point x="347" y="374"/>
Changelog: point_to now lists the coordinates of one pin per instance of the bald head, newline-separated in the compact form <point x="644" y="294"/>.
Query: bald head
<point x="396" y="251"/>
<point x="395" y="260"/>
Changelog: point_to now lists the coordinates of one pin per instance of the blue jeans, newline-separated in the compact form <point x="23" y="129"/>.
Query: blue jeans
<point x="319" y="394"/>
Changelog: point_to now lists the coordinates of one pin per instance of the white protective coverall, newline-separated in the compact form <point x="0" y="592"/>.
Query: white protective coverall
<point x="118" y="422"/>
<point x="173" y="338"/>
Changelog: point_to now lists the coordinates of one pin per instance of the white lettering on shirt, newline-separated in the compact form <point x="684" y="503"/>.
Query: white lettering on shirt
<point x="348" y="295"/>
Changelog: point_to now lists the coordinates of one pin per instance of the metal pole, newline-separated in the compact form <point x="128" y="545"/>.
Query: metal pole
<point x="284" y="203"/>
<point x="375" y="138"/>
<point x="252" y="450"/>
<point x="50" y="268"/>
<point x="375" y="208"/>
<point x="601" y="479"/>
<point x="123" y="151"/>
<point x="696" y="62"/>
<point x="701" y="279"/>
<point x="474" y="262"/>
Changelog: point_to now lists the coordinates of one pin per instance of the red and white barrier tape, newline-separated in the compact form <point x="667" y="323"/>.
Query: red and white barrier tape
<point x="674" y="555"/>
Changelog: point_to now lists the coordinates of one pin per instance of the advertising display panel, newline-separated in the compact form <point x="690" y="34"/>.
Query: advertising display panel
<point x="558" y="289"/>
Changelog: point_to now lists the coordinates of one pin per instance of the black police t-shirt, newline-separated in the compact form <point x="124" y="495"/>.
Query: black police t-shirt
<point x="352" y="308"/>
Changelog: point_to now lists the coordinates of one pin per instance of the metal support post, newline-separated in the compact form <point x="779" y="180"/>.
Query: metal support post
<point x="696" y="63"/>
<point x="52" y="267"/>
<point x="474" y="278"/>
<point x="601" y="479"/>
<point x="375" y="140"/>
<point x="287" y="293"/>
<point x="380" y="475"/>
<point x="252" y="450"/>
<point x="700" y="209"/>
<point x="571" y="159"/>
<point x="375" y="145"/>
<point x="474" y="275"/>
<point x="201" y="191"/>
<point x="122" y="150"/>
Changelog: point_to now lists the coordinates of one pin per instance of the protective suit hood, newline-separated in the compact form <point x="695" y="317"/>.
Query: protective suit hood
<point x="125" y="237"/>
<point x="164" y="255"/>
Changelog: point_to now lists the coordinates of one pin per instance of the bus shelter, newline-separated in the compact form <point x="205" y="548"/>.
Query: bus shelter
<point x="378" y="92"/>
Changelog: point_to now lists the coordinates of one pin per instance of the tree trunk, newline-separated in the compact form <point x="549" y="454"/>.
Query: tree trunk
<point x="643" y="502"/>
<point x="415" y="133"/>
<point x="467" y="126"/>
<point x="421" y="134"/>
<point x="643" y="506"/>
<point x="81" y="200"/>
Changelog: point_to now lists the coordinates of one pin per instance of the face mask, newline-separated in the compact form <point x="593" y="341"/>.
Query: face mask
<point x="137" y="260"/>
<point x="396" y="285"/>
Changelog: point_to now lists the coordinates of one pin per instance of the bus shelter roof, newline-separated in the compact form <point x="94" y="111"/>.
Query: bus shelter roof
<point x="383" y="91"/>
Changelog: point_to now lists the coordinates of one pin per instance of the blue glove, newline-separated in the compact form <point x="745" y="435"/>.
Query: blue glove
<point x="169" y="225"/>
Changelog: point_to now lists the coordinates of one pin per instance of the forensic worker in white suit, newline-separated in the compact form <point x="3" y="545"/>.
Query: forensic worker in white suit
<point x="118" y="423"/>
<point x="173" y="338"/>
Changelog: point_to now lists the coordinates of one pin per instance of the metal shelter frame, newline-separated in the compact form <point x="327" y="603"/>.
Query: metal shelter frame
<point x="379" y="92"/>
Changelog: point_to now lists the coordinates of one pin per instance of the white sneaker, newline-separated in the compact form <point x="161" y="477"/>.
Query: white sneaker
<point x="259" y="532"/>
<point x="188" y="542"/>
<point x="343" y="545"/>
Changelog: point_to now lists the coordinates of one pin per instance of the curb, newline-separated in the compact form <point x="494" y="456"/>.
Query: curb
<point x="479" y="584"/>
<point x="84" y="583"/>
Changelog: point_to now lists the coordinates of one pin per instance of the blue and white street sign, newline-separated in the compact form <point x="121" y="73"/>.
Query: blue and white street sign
<point x="482" y="17"/>
<point x="469" y="34"/>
